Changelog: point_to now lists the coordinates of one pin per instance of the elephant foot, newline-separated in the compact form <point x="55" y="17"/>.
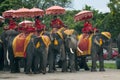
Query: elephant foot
<point x="28" y="72"/>
<point x="73" y="70"/>
<point x="18" y="71"/>
<point x="1" y="69"/>
<point x="87" y="69"/>
<point x="43" y="72"/>
<point x="51" y="71"/>
<point x="93" y="70"/>
<point x="77" y="69"/>
<point x="6" y="69"/>
<point x="102" y="70"/>
<point x="36" y="72"/>
<point x="13" y="71"/>
<point x="54" y="69"/>
<point x="64" y="71"/>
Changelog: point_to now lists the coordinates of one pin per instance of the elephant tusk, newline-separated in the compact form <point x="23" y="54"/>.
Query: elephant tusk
<point x="71" y="51"/>
<point x="79" y="50"/>
<point x="8" y="57"/>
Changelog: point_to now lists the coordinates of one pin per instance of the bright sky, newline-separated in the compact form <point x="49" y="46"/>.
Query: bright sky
<point x="100" y="5"/>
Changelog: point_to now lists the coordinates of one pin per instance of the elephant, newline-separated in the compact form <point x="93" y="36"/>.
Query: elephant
<point x="99" y="42"/>
<point x="7" y="37"/>
<point x="37" y="56"/>
<point x="1" y="56"/>
<point x="70" y="48"/>
<point x="56" y="47"/>
<point x="71" y="42"/>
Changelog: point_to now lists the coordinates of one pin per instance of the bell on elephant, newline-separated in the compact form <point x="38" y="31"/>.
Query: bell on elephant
<point x="55" y="42"/>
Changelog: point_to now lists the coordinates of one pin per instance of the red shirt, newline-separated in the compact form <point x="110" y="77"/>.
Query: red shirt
<point x="56" y="23"/>
<point x="39" y="25"/>
<point x="87" y="27"/>
<point x="12" y="24"/>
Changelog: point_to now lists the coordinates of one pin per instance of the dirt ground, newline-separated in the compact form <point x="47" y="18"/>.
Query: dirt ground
<point x="109" y="74"/>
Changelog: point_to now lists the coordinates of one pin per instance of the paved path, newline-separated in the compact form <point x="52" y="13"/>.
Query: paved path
<point x="109" y="74"/>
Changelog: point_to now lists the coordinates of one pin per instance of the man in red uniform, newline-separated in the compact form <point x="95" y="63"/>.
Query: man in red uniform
<point x="38" y="24"/>
<point x="87" y="27"/>
<point x="12" y="24"/>
<point x="56" y="23"/>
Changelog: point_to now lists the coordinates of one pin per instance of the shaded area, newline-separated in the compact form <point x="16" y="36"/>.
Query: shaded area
<point x="8" y="77"/>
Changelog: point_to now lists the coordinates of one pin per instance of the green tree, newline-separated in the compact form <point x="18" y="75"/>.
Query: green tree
<point x="113" y="22"/>
<point x="43" y="4"/>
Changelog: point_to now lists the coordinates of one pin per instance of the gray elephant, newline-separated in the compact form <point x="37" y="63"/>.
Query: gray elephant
<point x="99" y="42"/>
<point x="57" y="47"/>
<point x="36" y="54"/>
<point x="7" y="37"/>
<point x="1" y="56"/>
<point x="70" y="41"/>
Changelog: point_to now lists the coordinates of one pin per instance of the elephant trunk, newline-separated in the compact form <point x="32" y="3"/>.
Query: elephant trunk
<point x="79" y="50"/>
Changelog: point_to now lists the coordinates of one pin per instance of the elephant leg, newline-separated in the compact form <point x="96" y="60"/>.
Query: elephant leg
<point x="51" y="61"/>
<point x="29" y="61"/>
<point x="64" y="66"/>
<point x="72" y="62"/>
<point x="44" y="62"/>
<point x="12" y="63"/>
<point x="1" y="57"/>
<point x="17" y="67"/>
<point x="36" y="64"/>
<point x="94" y="59"/>
<point x="76" y="63"/>
<point x="101" y="63"/>
<point x="63" y="58"/>
<point x="6" y="65"/>
<point x="83" y="63"/>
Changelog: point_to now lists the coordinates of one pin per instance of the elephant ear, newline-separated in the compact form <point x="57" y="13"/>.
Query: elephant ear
<point x="69" y="31"/>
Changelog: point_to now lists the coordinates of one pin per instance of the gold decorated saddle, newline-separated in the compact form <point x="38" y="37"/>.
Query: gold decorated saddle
<point x="84" y="45"/>
<point x="19" y="44"/>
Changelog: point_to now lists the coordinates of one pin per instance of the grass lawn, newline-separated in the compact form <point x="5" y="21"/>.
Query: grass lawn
<point x="107" y="65"/>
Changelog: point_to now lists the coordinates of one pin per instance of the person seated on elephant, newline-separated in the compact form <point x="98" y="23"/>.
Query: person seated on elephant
<point x="12" y="24"/>
<point x="20" y="29"/>
<point x="39" y="25"/>
<point x="40" y="30"/>
<point x="30" y="30"/>
<point x="56" y="23"/>
<point x="88" y="28"/>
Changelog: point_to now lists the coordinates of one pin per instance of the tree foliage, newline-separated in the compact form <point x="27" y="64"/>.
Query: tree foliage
<point x="43" y="4"/>
<point x="113" y="20"/>
<point x="103" y="21"/>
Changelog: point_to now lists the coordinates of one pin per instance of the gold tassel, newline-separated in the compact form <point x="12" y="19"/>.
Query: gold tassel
<point x="37" y="45"/>
<point x="100" y="41"/>
<point x="55" y="42"/>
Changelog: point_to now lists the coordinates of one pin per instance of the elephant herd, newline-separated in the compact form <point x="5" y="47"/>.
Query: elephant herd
<point x="61" y="48"/>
